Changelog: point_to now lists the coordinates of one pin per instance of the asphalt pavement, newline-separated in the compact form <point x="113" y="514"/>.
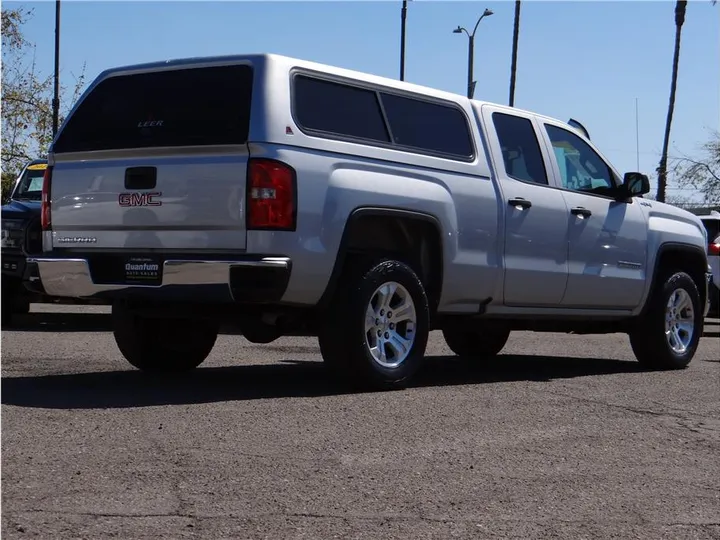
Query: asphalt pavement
<point x="560" y="437"/>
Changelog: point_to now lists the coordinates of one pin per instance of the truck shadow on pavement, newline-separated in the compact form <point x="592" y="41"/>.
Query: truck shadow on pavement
<point x="130" y="388"/>
<point x="73" y="322"/>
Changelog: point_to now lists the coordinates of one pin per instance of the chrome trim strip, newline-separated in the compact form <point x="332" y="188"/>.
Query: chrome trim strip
<point x="71" y="277"/>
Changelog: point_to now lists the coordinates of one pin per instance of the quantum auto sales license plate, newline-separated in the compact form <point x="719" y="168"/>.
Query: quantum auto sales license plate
<point x="143" y="271"/>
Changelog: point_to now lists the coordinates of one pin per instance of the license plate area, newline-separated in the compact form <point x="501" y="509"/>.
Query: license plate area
<point x="113" y="269"/>
<point x="143" y="271"/>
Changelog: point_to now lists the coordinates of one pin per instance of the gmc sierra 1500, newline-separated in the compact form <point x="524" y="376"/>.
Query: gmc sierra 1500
<point x="297" y="198"/>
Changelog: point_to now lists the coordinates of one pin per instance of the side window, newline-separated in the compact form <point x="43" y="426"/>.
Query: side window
<point x="428" y="126"/>
<point x="338" y="108"/>
<point x="520" y="148"/>
<point x="581" y="168"/>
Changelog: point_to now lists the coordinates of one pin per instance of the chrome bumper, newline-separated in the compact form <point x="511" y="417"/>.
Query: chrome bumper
<point x="72" y="278"/>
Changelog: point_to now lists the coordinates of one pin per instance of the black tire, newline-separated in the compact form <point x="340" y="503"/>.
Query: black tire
<point x="14" y="301"/>
<point x="157" y="345"/>
<point x="481" y="344"/>
<point x="714" y="300"/>
<point x="648" y="340"/>
<point x="344" y="344"/>
<point x="7" y="314"/>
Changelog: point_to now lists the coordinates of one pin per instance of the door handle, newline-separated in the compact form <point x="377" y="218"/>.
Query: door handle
<point x="520" y="203"/>
<point x="580" y="211"/>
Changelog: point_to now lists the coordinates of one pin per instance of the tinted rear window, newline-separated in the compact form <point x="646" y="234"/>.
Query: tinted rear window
<point x="331" y="108"/>
<point x="185" y="107"/>
<point x="428" y="126"/>
<point x="520" y="148"/>
<point x="339" y="109"/>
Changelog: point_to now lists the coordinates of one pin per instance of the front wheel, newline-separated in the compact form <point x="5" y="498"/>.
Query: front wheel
<point x="157" y="345"/>
<point x="377" y="327"/>
<point x="668" y="335"/>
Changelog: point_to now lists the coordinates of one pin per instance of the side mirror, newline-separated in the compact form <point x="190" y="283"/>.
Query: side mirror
<point x="635" y="184"/>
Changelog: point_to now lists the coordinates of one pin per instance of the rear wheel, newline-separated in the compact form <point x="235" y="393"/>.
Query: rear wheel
<point x="377" y="327"/>
<point x="669" y="333"/>
<point x="483" y="343"/>
<point x="157" y="345"/>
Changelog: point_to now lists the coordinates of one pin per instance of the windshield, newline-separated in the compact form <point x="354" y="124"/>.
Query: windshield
<point x="30" y="185"/>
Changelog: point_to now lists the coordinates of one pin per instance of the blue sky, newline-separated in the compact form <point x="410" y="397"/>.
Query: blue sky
<point x="585" y="60"/>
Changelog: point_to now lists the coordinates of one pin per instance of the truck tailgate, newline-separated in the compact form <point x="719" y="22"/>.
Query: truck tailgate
<point x="155" y="158"/>
<point x="171" y="202"/>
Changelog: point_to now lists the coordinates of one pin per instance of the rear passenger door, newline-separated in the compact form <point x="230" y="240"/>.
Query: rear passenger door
<point x="536" y="263"/>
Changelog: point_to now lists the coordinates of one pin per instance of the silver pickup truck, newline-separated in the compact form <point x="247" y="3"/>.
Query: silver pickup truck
<point x="294" y="198"/>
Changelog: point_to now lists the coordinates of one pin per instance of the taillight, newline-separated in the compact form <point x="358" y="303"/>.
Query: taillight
<point x="45" y="220"/>
<point x="271" y="195"/>
<point x="714" y="248"/>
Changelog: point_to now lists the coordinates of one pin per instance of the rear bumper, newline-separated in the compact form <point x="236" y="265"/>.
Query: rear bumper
<point x="256" y="279"/>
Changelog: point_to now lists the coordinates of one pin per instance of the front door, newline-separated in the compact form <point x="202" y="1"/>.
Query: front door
<point x="536" y="265"/>
<point x="607" y="239"/>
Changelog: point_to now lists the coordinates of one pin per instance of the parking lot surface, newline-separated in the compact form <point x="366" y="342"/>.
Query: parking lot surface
<point x="560" y="437"/>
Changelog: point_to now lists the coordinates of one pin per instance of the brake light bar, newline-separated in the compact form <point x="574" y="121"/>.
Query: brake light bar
<point x="271" y="195"/>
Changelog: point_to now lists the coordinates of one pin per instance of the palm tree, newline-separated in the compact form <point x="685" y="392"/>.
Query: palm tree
<point x="680" y="8"/>
<point x="513" y="66"/>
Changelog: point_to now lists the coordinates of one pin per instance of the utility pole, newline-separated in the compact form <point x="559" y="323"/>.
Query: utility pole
<point x="403" y="17"/>
<point x="471" y="59"/>
<point x="513" y="65"/>
<point x="471" y="51"/>
<point x="56" y="96"/>
<point x="637" y="135"/>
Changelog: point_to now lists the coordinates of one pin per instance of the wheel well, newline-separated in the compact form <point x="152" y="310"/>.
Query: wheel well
<point x="685" y="259"/>
<point x="412" y="238"/>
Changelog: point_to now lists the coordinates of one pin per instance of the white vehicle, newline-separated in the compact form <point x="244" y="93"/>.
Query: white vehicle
<point x="712" y="224"/>
<point x="293" y="197"/>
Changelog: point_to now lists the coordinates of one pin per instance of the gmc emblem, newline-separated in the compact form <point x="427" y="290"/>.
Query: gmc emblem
<point x="139" y="199"/>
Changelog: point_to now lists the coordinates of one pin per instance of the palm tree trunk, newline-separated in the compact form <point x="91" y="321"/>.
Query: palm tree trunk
<point x="513" y="66"/>
<point x="680" y="8"/>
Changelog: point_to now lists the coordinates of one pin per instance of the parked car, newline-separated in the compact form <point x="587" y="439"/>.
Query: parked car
<point x="366" y="211"/>
<point x="22" y="238"/>
<point x="712" y="224"/>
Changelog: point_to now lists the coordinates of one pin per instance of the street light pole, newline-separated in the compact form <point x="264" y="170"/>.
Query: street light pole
<point x="471" y="58"/>
<point x="56" y="96"/>
<point x="471" y="50"/>
<point x="403" y="17"/>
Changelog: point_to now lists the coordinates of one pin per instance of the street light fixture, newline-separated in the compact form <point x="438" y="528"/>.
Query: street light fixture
<point x="471" y="50"/>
